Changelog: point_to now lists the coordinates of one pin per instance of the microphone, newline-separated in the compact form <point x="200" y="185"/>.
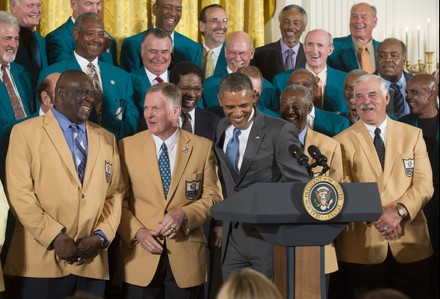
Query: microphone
<point x="319" y="158"/>
<point x="302" y="159"/>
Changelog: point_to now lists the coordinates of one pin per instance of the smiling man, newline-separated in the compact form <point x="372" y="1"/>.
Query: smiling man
<point x="393" y="251"/>
<point x="32" y="50"/>
<point x="65" y="192"/>
<point x="359" y="49"/>
<point x="117" y="111"/>
<point x="168" y="14"/>
<point x="251" y="148"/>
<point x="274" y="58"/>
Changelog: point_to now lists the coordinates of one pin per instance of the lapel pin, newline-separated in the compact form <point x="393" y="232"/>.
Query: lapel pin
<point x="185" y="150"/>
<point x="257" y="137"/>
<point x="112" y="82"/>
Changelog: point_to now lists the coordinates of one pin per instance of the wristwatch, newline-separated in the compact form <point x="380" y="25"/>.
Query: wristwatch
<point x="401" y="210"/>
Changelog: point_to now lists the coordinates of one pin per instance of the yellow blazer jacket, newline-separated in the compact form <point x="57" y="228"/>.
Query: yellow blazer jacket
<point x="4" y="208"/>
<point x="47" y="197"/>
<point x="332" y="150"/>
<point x="406" y="179"/>
<point x="145" y="205"/>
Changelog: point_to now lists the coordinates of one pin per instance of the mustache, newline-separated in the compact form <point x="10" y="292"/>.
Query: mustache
<point x="368" y="106"/>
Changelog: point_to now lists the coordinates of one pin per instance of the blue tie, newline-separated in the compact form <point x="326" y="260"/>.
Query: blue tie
<point x="232" y="150"/>
<point x="79" y="152"/>
<point x="164" y="167"/>
<point x="397" y="100"/>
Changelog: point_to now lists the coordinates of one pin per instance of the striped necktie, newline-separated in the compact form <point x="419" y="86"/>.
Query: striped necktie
<point x="79" y="152"/>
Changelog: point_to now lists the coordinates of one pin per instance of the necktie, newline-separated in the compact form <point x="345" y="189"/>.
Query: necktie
<point x="365" y="60"/>
<point x="288" y="63"/>
<point x="318" y="102"/>
<point x="164" y="167"/>
<point x="186" y="121"/>
<point x="17" y="107"/>
<point x="158" y="80"/>
<point x="397" y="100"/>
<point x="232" y="150"/>
<point x="91" y="72"/>
<point x="209" y="64"/>
<point x="79" y="152"/>
<point x="380" y="146"/>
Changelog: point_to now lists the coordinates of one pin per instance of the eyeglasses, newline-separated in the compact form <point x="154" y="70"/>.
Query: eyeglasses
<point x="187" y="89"/>
<point x="219" y="21"/>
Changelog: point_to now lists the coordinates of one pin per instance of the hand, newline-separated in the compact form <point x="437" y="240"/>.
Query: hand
<point x="171" y="223"/>
<point x="89" y="246"/>
<point x="389" y="224"/>
<point x="215" y="236"/>
<point x="65" y="248"/>
<point x="148" y="240"/>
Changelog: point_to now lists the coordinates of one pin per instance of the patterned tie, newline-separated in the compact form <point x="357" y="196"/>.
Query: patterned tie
<point x="158" y="80"/>
<point x="186" y="121"/>
<point x="398" y="100"/>
<point x="318" y="102"/>
<point x="232" y="150"/>
<point x="288" y="63"/>
<point x="209" y="64"/>
<point x="164" y="167"/>
<point x="91" y="72"/>
<point x="17" y="107"/>
<point x="365" y="60"/>
<point x="79" y="152"/>
<point x="380" y="147"/>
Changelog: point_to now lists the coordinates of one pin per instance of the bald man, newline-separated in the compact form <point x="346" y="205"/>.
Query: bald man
<point x="46" y="92"/>
<point x="349" y="84"/>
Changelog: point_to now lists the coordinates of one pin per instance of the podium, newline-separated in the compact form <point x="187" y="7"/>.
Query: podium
<point x="279" y="215"/>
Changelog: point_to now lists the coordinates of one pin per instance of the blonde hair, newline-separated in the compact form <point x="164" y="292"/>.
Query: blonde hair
<point x="248" y="284"/>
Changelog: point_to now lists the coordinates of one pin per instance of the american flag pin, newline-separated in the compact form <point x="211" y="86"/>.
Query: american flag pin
<point x="257" y="137"/>
<point x="112" y="82"/>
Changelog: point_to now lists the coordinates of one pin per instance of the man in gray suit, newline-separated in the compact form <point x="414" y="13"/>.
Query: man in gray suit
<point x="251" y="148"/>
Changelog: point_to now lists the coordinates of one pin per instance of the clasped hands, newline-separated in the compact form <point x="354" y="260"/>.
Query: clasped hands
<point x="76" y="252"/>
<point x="150" y="240"/>
<point x="389" y="224"/>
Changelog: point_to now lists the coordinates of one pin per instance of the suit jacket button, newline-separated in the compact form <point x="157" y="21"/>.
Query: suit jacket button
<point x="83" y="196"/>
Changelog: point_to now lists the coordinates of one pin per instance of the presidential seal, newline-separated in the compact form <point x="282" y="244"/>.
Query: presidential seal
<point x="323" y="198"/>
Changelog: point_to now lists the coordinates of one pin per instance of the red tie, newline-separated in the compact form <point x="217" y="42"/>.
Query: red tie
<point x="158" y="80"/>
<point x="17" y="107"/>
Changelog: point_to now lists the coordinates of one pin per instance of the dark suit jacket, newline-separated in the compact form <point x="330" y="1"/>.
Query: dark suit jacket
<point x="267" y="149"/>
<point x="344" y="57"/>
<point x="23" y="59"/>
<point x="206" y="124"/>
<point x="117" y="94"/>
<point x="390" y="106"/>
<point x="185" y="49"/>
<point x="334" y="90"/>
<point x="61" y="44"/>
<point x="269" y="59"/>
<point x="329" y="123"/>
<point x="7" y="120"/>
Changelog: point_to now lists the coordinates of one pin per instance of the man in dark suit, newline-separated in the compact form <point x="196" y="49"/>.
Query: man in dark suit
<point x="318" y="46"/>
<point x="350" y="50"/>
<point x="118" y="113"/>
<point x="391" y="61"/>
<point x="421" y="96"/>
<point x="188" y="77"/>
<point x="251" y="148"/>
<point x="15" y="103"/>
<point x="61" y="44"/>
<point x="168" y="14"/>
<point x="32" y="49"/>
<point x="324" y="122"/>
<point x="213" y="24"/>
<point x="274" y="58"/>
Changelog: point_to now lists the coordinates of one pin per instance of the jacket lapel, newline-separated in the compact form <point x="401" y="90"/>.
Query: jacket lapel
<point x="368" y="148"/>
<point x="93" y="141"/>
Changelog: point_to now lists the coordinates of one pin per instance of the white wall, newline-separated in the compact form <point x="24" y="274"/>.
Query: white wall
<point x="393" y="18"/>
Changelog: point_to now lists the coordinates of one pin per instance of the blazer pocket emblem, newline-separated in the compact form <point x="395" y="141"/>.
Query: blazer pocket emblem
<point x="409" y="166"/>
<point x="192" y="189"/>
<point x="108" y="171"/>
